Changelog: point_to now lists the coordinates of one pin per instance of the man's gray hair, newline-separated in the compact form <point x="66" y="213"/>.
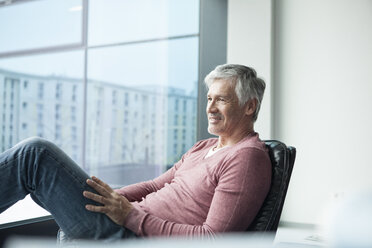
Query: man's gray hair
<point x="247" y="85"/>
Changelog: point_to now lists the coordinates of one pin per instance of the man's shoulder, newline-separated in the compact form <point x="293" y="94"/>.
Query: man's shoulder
<point x="205" y="143"/>
<point x="251" y="151"/>
<point x="252" y="142"/>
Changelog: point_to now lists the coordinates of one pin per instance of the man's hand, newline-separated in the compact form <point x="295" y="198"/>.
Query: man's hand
<point x="115" y="206"/>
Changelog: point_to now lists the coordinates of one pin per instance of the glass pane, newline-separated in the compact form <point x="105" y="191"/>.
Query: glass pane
<point x="43" y="96"/>
<point x="113" y="21"/>
<point x="141" y="113"/>
<point x="37" y="24"/>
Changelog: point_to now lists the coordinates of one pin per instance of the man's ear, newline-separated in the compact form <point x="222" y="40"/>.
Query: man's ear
<point x="251" y="106"/>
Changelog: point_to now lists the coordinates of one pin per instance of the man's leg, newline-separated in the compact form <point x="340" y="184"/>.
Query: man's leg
<point x="38" y="167"/>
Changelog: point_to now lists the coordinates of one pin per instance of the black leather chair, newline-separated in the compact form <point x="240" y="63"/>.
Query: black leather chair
<point x="282" y="159"/>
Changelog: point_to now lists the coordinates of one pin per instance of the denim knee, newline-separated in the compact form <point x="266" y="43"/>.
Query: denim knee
<point x="36" y="142"/>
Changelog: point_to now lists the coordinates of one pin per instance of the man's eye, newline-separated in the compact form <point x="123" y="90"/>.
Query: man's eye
<point x="221" y="99"/>
<point x="209" y="99"/>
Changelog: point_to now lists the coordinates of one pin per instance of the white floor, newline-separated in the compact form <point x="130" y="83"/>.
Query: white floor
<point x="292" y="235"/>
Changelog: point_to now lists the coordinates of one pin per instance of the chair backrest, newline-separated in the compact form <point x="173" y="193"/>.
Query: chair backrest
<point x="282" y="160"/>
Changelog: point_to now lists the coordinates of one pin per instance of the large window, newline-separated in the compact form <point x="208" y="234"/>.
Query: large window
<point x="113" y="83"/>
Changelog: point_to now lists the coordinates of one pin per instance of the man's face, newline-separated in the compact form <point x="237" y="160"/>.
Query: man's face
<point x="225" y="116"/>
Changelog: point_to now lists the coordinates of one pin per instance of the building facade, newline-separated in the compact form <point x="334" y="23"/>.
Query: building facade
<point x="122" y="134"/>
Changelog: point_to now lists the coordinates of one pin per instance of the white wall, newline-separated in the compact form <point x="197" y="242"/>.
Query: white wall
<point x="322" y="103"/>
<point x="324" y="99"/>
<point x="249" y="43"/>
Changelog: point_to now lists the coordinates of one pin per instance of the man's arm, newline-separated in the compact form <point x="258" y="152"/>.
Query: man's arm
<point x="118" y="208"/>
<point x="135" y="192"/>
<point x="243" y="182"/>
<point x="242" y="187"/>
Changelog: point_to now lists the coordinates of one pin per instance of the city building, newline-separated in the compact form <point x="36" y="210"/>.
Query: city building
<point x="125" y="134"/>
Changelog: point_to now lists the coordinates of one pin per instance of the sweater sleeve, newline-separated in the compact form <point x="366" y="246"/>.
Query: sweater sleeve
<point x="137" y="191"/>
<point x="242" y="184"/>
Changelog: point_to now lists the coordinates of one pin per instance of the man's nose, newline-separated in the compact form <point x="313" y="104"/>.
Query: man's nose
<point x="211" y="107"/>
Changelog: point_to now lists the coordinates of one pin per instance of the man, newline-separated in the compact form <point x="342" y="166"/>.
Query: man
<point x="217" y="186"/>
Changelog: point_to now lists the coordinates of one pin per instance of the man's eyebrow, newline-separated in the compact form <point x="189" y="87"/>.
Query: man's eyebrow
<point x="227" y="97"/>
<point x="219" y="95"/>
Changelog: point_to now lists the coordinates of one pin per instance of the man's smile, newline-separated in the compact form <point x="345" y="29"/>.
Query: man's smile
<point x="214" y="118"/>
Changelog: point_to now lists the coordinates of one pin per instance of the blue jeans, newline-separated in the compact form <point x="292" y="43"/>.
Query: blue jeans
<point x="55" y="182"/>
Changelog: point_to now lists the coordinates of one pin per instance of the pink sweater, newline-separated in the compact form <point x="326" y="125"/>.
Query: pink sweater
<point x="202" y="196"/>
